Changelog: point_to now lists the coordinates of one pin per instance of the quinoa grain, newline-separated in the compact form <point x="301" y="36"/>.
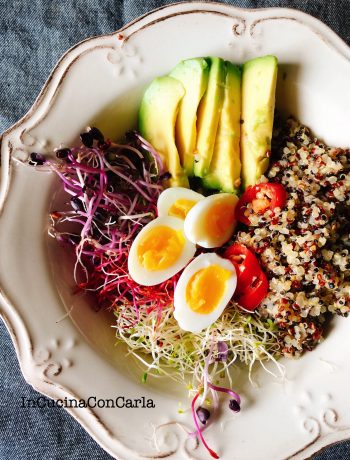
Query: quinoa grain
<point x="307" y="258"/>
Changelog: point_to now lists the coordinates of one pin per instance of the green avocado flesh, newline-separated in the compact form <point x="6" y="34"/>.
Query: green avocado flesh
<point x="157" y="117"/>
<point x="258" y="101"/>
<point x="210" y="119"/>
<point x="193" y="74"/>
<point x="225" y="167"/>
<point x="209" y="112"/>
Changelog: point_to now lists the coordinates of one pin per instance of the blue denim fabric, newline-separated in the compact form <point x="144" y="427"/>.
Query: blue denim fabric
<point x="34" y="34"/>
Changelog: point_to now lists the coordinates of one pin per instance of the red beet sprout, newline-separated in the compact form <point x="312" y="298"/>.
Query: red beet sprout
<point x="198" y="429"/>
<point x="230" y="392"/>
<point x="113" y="191"/>
<point x="202" y="413"/>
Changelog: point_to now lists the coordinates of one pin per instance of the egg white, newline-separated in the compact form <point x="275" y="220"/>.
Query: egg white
<point x="170" y="195"/>
<point x="188" y="319"/>
<point x="150" y="278"/>
<point x="196" y="218"/>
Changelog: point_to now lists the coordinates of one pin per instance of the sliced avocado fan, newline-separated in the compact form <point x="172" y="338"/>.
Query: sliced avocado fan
<point x="193" y="74"/>
<point x="208" y="116"/>
<point x="258" y="102"/>
<point x="157" y="117"/>
<point x="208" y="120"/>
<point x="225" y="167"/>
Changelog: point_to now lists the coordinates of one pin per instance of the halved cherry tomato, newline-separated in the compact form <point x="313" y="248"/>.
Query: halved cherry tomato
<point x="254" y="294"/>
<point x="252" y="284"/>
<point x="263" y="196"/>
<point x="246" y="265"/>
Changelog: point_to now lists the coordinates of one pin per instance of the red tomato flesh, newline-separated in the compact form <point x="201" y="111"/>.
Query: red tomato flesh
<point x="252" y="297"/>
<point x="252" y="284"/>
<point x="262" y="197"/>
<point x="246" y="265"/>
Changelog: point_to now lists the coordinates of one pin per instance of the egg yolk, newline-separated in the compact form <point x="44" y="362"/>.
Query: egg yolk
<point x="160" y="248"/>
<point x="181" y="207"/>
<point x="206" y="288"/>
<point x="219" y="218"/>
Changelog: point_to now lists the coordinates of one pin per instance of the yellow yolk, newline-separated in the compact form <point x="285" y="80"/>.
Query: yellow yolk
<point x="219" y="218"/>
<point x="160" y="248"/>
<point x="206" y="288"/>
<point x="181" y="207"/>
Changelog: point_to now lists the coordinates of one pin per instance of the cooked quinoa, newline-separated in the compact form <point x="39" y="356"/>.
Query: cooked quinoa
<point x="304" y="247"/>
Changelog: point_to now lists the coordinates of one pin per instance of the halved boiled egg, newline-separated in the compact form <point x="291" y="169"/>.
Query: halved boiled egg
<point x="177" y="201"/>
<point x="160" y="250"/>
<point x="204" y="289"/>
<point x="211" y="222"/>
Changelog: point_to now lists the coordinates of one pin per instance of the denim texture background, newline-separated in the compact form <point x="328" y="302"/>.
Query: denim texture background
<point x="34" y="34"/>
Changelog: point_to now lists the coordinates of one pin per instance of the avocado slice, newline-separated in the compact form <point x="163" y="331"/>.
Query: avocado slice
<point x="157" y="117"/>
<point x="225" y="168"/>
<point x="258" y="102"/>
<point x="208" y="116"/>
<point x="193" y="74"/>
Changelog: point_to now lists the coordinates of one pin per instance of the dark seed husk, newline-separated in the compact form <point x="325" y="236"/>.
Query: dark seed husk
<point x="37" y="159"/>
<point x="234" y="405"/>
<point x="76" y="204"/>
<point x="62" y="153"/>
<point x="87" y="139"/>
<point x="203" y="414"/>
<point x="96" y="134"/>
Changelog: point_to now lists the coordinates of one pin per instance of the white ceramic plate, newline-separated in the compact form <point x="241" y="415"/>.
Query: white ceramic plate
<point x="100" y="82"/>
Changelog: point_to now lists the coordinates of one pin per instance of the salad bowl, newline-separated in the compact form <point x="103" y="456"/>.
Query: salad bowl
<point x="66" y="349"/>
